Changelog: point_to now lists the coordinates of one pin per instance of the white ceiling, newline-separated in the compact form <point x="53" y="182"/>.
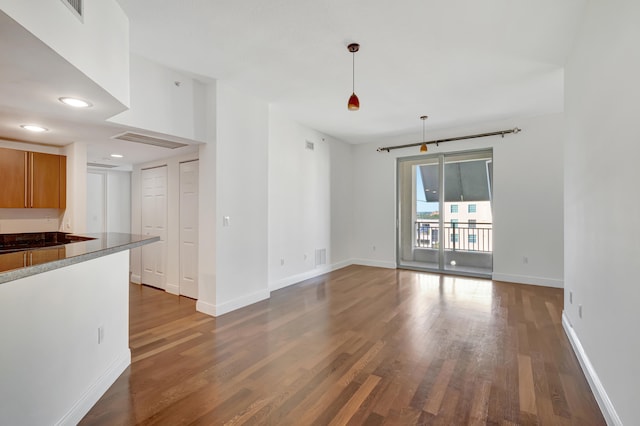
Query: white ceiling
<point x="459" y="61"/>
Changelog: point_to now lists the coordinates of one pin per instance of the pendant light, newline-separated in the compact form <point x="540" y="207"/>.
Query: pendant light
<point x="423" y="147"/>
<point x="354" y="102"/>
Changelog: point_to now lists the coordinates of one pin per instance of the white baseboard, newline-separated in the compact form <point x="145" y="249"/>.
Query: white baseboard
<point x="172" y="288"/>
<point x="232" y="305"/>
<point x="295" y="279"/>
<point x="136" y="279"/>
<point x="96" y="390"/>
<point x="206" y="308"/>
<point x="526" y="279"/>
<point x="374" y="263"/>
<point x="605" y="404"/>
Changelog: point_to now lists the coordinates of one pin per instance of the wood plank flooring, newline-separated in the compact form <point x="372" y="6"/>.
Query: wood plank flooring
<point x="360" y="345"/>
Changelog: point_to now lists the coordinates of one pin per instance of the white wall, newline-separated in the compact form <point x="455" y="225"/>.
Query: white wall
<point x="207" y="215"/>
<point x="527" y="198"/>
<point x="528" y="203"/>
<point x="309" y="201"/>
<point x="75" y="216"/>
<point x="163" y="100"/>
<point x="241" y="195"/>
<point x="98" y="46"/>
<point x="54" y="370"/>
<point x="173" y="217"/>
<point x="601" y="204"/>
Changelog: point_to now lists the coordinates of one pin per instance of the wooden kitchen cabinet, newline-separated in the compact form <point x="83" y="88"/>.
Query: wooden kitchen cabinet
<point x="32" y="179"/>
<point x="48" y="180"/>
<point x="13" y="178"/>
<point x="15" y="260"/>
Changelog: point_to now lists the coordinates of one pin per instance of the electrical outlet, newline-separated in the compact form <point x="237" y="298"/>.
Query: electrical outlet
<point x="281" y="262"/>
<point x="580" y="311"/>
<point x="570" y="297"/>
<point x="525" y="260"/>
<point x="100" y="334"/>
<point x="374" y="248"/>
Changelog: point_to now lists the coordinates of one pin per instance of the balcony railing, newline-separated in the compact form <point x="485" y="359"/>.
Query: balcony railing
<point x="463" y="236"/>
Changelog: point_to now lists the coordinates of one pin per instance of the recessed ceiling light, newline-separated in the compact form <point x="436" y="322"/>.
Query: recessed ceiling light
<point x="117" y="155"/>
<point x="33" y="128"/>
<point x="75" y="102"/>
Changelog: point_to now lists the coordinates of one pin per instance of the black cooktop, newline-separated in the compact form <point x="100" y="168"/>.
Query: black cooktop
<point x="33" y="240"/>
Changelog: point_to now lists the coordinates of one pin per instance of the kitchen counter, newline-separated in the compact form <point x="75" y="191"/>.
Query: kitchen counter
<point x="64" y="324"/>
<point x="26" y="262"/>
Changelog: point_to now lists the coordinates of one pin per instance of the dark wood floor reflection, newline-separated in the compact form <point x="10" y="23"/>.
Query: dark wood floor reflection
<point x="357" y="346"/>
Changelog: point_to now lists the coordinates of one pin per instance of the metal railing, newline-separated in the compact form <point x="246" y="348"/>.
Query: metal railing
<point x="463" y="236"/>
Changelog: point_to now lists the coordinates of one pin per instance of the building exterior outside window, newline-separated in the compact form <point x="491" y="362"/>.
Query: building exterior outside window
<point x="454" y="208"/>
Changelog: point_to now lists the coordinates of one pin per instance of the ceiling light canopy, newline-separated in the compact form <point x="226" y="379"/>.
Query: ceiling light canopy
<point x="34" y="128"/>
<point x="75" y="102"/>
<point x="354" y="102"/>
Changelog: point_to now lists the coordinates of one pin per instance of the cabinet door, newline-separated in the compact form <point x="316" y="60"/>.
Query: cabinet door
<point x="45" y="180"/>
<point x="13" y="178"/>
<point x="44" y="255"/>
<point x="15" y="260"/>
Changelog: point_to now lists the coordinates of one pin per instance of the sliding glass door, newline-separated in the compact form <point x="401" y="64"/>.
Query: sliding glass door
<point x="444" y="213"/>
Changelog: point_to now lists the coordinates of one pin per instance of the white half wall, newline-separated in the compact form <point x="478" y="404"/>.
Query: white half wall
<point x="54" y="368"/>
<point x="310" y="200"/>
<point x="601" y="203"/>
<point x="527" y="206"/>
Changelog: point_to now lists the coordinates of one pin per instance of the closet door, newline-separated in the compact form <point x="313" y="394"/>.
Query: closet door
<point x="154" y="222"/>
<point x="189" y="229"/>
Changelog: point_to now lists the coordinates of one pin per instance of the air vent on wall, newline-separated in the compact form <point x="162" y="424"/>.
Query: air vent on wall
<point x="149" y="140"/>
<point x="104" y="166"/>
<point x="75" y="6"/>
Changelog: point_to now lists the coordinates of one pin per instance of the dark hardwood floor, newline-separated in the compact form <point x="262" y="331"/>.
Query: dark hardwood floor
<point x="357" y="346"/>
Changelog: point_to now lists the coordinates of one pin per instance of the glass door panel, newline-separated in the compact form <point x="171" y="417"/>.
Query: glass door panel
<point x="419" y="228"/>
<point x="468" y="220"/>
<point x="444" y="213"/>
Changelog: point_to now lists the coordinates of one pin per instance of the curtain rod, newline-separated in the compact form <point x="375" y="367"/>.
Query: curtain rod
<point x="439" y="141"/>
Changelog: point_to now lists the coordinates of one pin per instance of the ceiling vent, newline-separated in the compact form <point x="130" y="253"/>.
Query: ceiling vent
<point x="75" y="6"/>
<point x="101" y="165"/>
<point x="149" y="140"/>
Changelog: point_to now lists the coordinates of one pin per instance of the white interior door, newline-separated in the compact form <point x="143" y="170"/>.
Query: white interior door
<point x="189" y="229"/>
<point x="154" y="222"/>
<point x="96" y="202"/>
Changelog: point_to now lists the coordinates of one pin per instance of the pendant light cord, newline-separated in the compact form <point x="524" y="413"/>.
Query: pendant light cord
<point x="353" y="72"/>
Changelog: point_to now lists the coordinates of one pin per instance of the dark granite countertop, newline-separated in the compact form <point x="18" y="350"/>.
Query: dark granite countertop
<point x="26" y="262"/>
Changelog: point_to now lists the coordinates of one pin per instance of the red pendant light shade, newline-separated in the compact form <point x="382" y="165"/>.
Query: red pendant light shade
<point x="354" y="102"/>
